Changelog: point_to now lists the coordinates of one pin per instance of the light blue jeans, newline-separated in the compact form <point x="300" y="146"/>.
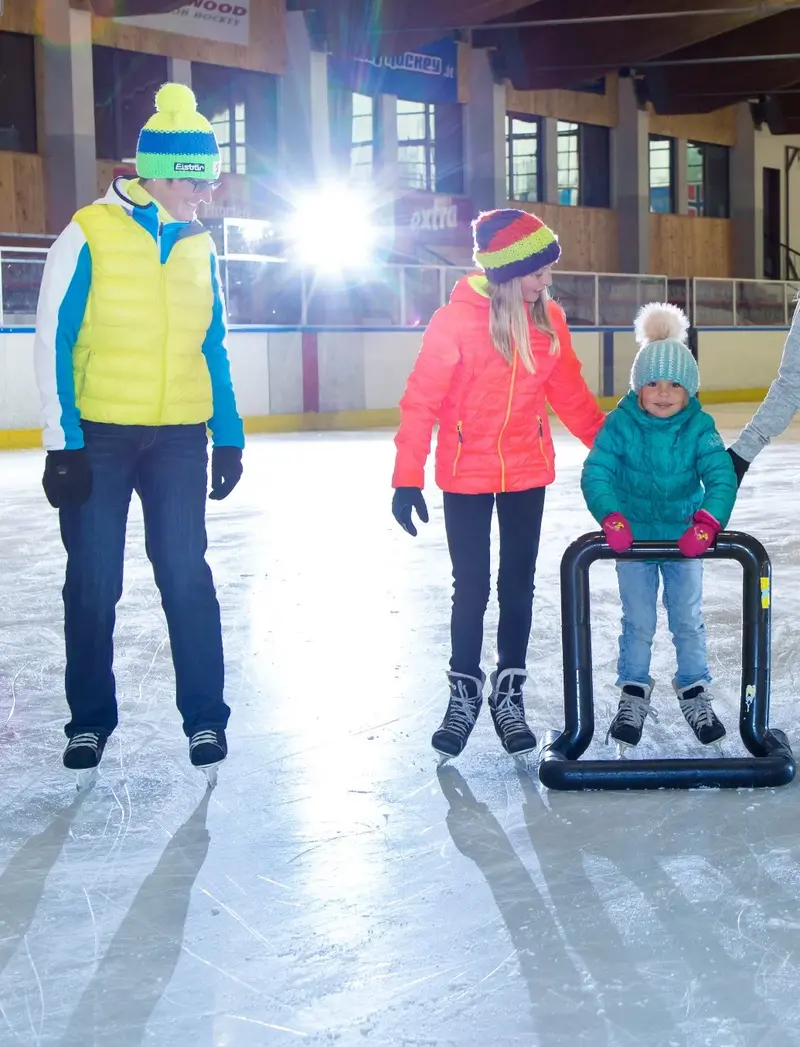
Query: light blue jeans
<point x="683" y="600"/>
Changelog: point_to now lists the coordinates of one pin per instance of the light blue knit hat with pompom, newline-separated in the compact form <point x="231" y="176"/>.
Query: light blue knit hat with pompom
<point x="661" y="331"/>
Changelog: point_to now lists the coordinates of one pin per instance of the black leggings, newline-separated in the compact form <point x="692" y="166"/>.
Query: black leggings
<point x="468" y="521"/>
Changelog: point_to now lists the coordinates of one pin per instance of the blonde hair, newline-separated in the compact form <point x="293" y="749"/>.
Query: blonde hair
<point x="509" y="315"/>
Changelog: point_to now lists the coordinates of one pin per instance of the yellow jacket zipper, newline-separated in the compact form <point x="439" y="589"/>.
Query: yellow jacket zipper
<point x="541" y="441"/>
<point x="505" y="423"/>
<point x="165" y="349"/>
<point x="460" y="444"/>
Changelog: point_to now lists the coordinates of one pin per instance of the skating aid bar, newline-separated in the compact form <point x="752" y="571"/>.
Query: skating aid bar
<point x="771" y="762"/>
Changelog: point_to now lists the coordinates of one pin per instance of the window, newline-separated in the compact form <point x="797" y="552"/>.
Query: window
<point x="125" y="84"/>
<point x="708" y="179"/>
<point x="415" y="145"/>
<point x="242" y="108"/>
<point x="17" y="94"/>
<point x="662" y="174"/>
<point x="568" y="166"/>
<point x="362" y="149"/>
<point x="583" y="159"/>
<point x="523" y="170"/>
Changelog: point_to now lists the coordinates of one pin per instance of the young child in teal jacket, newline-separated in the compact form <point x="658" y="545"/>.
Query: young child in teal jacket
<point x="659" y="471"/>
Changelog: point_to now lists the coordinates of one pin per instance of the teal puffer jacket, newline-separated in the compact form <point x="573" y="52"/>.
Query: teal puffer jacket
<point x="658" y="472"/>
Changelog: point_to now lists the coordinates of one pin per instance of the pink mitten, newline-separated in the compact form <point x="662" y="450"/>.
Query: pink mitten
<point x="618" y="532"/>
<point x="700" y="536"/>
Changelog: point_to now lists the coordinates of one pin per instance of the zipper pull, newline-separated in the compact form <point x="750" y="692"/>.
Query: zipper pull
<point x="460" y="434"/>
<point x="541" y="430"/>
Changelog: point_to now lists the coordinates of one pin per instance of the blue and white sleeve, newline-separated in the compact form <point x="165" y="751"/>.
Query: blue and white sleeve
<point x="59" y="315"/>
<point x="225" y="424"/>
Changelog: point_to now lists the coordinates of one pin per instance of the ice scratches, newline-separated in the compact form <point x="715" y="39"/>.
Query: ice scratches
<point x="232" y="913"/>
<point x="267" y="1025"/>
<point x="37" y="1033"/>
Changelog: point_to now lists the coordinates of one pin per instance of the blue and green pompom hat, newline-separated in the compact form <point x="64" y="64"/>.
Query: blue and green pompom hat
<point x="177" y="141"/>
<point x="661" y="331"/>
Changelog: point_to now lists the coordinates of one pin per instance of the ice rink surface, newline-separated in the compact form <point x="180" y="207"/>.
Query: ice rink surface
<point x="336" y="889"/>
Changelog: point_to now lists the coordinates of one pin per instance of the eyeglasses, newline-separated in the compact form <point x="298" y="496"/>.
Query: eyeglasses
<point x="199" y="184"/>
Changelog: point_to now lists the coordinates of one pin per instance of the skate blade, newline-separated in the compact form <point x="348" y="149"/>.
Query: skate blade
<point x="86" y="780"/>
<point x="210" y="772"/>
<point x="622" y="749"/>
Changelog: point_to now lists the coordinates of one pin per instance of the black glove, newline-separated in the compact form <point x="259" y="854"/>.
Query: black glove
<point x="226" y="471"/>
<point x="67" y="478"/>
<point x="405" y="499"/>
<point x="740" y="465"/>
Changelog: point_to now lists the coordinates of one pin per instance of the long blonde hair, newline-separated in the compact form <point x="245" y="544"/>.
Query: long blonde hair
<point x="509" y="315"/>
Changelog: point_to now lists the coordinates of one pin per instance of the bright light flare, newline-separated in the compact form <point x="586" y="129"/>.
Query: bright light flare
<point x="333" y="230"/>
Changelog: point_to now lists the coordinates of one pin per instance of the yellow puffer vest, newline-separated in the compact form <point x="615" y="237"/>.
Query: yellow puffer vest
<point x="138" y="358"/>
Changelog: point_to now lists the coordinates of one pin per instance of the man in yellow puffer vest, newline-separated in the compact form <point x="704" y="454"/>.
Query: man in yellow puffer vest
<point x="132" y="367"/>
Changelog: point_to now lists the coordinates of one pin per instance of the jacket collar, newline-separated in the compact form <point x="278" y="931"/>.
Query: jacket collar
<point x="147" y="213"/>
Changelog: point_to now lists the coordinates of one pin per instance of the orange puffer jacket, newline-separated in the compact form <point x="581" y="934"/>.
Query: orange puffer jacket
<point x="494" y="433"/>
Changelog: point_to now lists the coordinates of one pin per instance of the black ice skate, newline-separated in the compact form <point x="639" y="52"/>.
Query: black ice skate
<point x="508" y="712"/>
<point x="207" y="750"/>
<point x="466" y="698"/>
<point x="83" y="754"/>
<point x="695" y="702"/>
<point x="633" y="710"/>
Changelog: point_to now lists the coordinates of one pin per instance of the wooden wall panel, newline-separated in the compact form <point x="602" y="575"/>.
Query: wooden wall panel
<point x="577" y="106"/>
<point x="266" y="53"/>
<point x="589" y="236"/>
<point x="19" y="16"/>
<point x="105" y="175"/>
<point x="22" y="208"/>
<point x="683" y="245"/>
<point x="718" y="127"/>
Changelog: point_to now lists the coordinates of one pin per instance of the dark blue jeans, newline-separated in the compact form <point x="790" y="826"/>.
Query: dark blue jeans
<point x="167" y="465"/>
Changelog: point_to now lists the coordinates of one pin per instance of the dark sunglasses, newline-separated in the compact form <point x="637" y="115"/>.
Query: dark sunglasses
<point x="199" y="184"/>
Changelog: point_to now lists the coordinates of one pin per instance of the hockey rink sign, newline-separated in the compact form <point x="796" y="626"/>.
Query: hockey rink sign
<point x="223" y="21"/>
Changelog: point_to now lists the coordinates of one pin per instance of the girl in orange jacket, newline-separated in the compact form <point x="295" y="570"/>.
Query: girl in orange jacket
<point x="491" y="360"/>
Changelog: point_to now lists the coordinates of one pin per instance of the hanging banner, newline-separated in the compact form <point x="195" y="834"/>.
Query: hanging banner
<point x="224" y="21"/>
<point x="427" y="74"/>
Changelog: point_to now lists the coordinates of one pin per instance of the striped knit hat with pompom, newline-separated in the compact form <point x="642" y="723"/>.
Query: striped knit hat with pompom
<point x="661" y="330"/>
<point x="510" y="243"/>
<point x="177" y="141"/>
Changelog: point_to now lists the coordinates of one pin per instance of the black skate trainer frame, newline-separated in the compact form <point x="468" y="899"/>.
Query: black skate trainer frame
<point x="771" y="762"/>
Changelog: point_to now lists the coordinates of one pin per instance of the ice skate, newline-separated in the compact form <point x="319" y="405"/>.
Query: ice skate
<point x="207" y="750"/>
<point x="83" y="754"/>
<point x="634" y="708"/>
<point x="508" y="713"/>
<point x="695" y="702"/>
<point x="466" y="698"/>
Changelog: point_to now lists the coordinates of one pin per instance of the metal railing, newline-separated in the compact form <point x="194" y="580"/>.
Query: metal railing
<point x="264" y="291"/>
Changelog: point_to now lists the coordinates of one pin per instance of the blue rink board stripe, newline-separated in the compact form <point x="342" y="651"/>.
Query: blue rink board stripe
<point x="279" y="329"/>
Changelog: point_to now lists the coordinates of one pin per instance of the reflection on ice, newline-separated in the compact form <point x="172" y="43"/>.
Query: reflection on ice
<point x="336" y="887"/>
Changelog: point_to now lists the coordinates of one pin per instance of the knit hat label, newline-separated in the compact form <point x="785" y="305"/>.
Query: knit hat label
<point x="196" y="168"/>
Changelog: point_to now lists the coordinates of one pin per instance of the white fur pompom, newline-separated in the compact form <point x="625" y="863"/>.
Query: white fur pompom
<point x="658" y="321"/>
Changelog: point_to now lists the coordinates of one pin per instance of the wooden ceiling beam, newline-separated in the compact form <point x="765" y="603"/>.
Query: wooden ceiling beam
<point x="562" y="56"/>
